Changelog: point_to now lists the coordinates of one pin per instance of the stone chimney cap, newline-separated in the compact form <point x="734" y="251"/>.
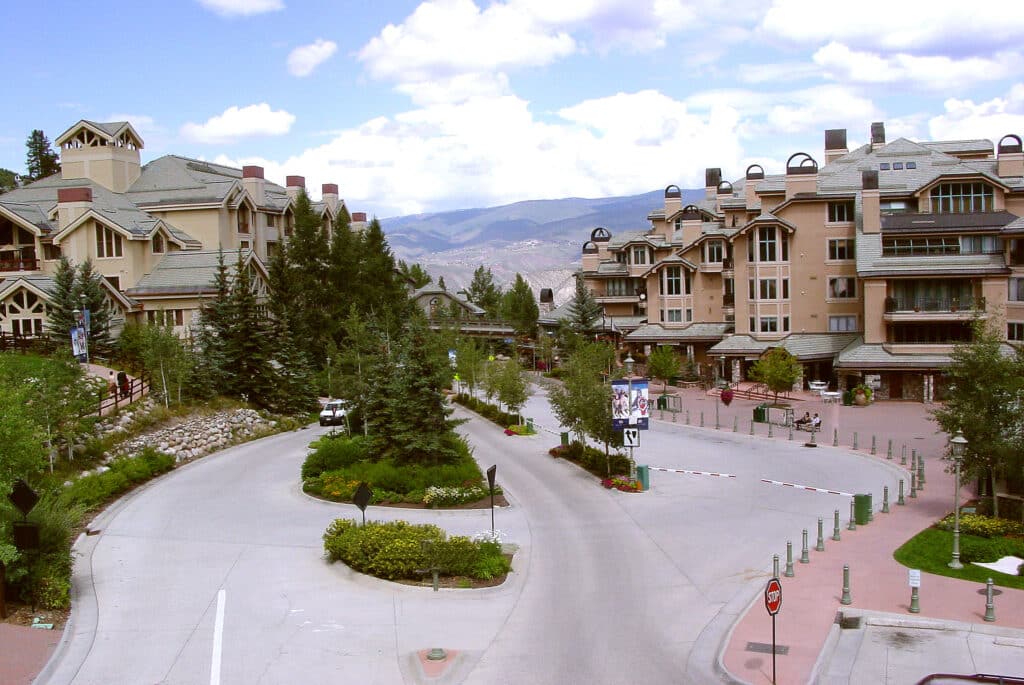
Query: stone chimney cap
<point x="712" y="177"/>
<point x="877" y="132"/>
<point x="74" y="194"/>
<point x="252" y="171"/>
<point x="869" y="179"/>
<point x="358" y="216"/>
<point x="329" y="188"/>
<point x="835" y="139"/>
<point x="295" y="181"/>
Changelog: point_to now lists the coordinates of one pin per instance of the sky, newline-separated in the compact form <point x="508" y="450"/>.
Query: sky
<point x="415" y="107"/>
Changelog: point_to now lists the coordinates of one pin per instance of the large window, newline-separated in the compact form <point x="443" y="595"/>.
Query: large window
<point x="768" y="289"/>
<point x="639" y="255"/>
<point x="674" y="315"/>
<point x="108" y="242"/>
<point x="158" y="244"/>
<point x="166" y="317"/>
<point x="769" y="324"/>
<point x="842" y="324"/>
<point x="839" y="212"/>
<point x="933" y="245"/>
<point x="619" y="287"/>
<point x="962" y="198"/>
<point x="1015" y="331"/>
<point x="714" y="251"/>
<point x="243" y="219"/>
<point x="980" y="244"/>
<point x="767" y="244"/>
<point x="842" y="288"/>
<point x="1016" y="290"/>
<point x="840" y="249"/>
<point x="672" y="281"/>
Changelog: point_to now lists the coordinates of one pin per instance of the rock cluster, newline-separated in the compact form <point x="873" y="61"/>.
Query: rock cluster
<point x="192" y="437"/>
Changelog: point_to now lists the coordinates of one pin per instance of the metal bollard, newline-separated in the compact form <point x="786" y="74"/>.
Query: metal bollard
<point x="687" y="417"/>
<point x="913" y="460"/>
<point x="854" y="439"/>
<point x="900" y="501"/>
<point x="675" y="416"/>
<point x="735" y="424"/>
<point x="885" y="499"/>
<point x="835" y="527"/>
<point x="847" y="599"/>
<point x="903" y="456"/>
<point x="770" y="430"/>
<point x="790" y="431"/>
<point x="888" y="452"/>
<point x="789" y="560"/>
<point x="915" y="603"/>
<point x="804" y="557"/>
<point x="751" y="426"/>
<point x="775" y="566"/>
<point x="873" y="451"/>
<point x="853" y="521"/>
<point x="913" y="485"/>
<point x="835" y="437"/>
<point x="820" y="547"/>
<point x="990" y="606"/>
<point x="920" y="471"/>
<point x="871" y="509"/>
<point x="702" y="419"/>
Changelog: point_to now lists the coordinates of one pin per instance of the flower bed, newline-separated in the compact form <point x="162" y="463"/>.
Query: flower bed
<point x="623" y="483"/>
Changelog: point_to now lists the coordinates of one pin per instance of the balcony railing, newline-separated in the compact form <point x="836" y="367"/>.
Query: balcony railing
<point x="19" y="264"/>
<point x="933" y="304"/>
<point x="729" y="300"/>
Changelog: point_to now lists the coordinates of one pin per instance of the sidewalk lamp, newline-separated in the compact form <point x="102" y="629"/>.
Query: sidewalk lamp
<point x="957" y="445"/>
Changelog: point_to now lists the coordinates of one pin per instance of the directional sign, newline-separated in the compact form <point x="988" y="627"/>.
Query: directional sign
<point x="631" y="437"/>
<point x="773" y="596"/>
<point x="914" y="576"/>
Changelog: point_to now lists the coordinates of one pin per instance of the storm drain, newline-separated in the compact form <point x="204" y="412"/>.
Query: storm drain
<point x="849" y="622"/>
<point x="765" y="648"/>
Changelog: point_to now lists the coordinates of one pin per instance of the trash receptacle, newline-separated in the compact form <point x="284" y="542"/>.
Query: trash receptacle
<point x="565" y="439"/>
<point x="761" y="413"/>
<point x="662" y="402"/>
<point x="529" y="424"/>
<point x="643" y="474"/>
<point x="861" y="509"/>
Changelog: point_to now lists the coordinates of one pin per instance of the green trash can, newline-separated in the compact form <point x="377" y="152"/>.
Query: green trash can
<point x="643" y="474"/>
<point x="565" y="439"/>
<point x="761" y="413"/>
<point x="861" y="509"/>
<point x="529" y="424"/>
<point x="662" y="402"/>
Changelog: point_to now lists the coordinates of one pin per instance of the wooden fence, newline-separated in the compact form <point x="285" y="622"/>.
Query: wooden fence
<point x="137" y="388"/>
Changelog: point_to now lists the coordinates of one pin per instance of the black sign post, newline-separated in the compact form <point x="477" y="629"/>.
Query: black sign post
<point x="773" y="602"/>
<point x="362" y="497"/>
<point x="26" y="535"/>
<point x="490" y="481"/>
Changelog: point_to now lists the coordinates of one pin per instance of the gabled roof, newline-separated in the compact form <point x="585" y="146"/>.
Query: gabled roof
<point x="433" y="290"/>
<point x="44" y="286"/>
<point x="108" y="131"/>
<point x="695" y="332"/>
<point x="803" y="346"/>
<point x="671" y="260"/>
<point x="190" y="272"/>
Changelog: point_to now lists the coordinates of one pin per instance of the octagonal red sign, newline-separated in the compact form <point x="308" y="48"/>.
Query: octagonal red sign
<point x="773" y="596"/>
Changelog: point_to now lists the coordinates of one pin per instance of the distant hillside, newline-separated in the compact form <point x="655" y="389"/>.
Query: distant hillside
<point x="540" y="239"/>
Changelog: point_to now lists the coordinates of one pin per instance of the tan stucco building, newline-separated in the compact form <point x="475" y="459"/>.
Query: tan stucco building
<point x="136" y="223"/>
<point x="868" y="268"/>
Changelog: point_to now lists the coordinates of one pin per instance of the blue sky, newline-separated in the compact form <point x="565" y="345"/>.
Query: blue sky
<point x="425" y="106"/>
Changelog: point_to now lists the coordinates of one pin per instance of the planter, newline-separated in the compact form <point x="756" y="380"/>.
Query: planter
<point x="860" y="399"/>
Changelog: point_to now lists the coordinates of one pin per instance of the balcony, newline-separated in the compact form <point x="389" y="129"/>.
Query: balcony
<point x="19" y="265"/>
<point x="727" y="267"/>
<point x="617" y="299"/>
<point x="933" y="308"/>
<point x="729" y="303"/>
<point x="711" y="267"/>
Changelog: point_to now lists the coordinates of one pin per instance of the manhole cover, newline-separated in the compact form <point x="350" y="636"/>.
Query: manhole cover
<point x="765" y="648"/>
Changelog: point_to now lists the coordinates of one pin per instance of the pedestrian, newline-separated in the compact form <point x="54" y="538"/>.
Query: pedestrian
<point x="122" y="383"/>
<point x="111" y="385"/>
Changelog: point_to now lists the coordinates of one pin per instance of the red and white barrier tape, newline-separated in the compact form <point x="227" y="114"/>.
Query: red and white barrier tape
<point x="806" y="487"/>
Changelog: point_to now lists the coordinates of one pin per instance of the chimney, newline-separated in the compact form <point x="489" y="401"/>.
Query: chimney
<point x="691" y="224"/>
<point x="755" y="174"/>
<point x="673" y="200"/>
<point x="835" y="144"/>
<point x="547" y="300"/>
<point x="254" y="184"/>
<point x="72" y="203"/>
<point x="870" y="202"/>
<point x="801" y="175"/>
<point x="358" y="221"/>
<point x="295" y="185"/>
<point x="1011" y="156"/>
<point x="712" y="177"/>
<point x="329" y="193"/>
<point x="877" y="135"/>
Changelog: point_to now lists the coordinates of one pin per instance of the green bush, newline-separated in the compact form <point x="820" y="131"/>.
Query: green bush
<point x="486" y="410"/>
<point x="331" y="454"/>
<point x="592" y="459"/>
<point x="395" y="550"/>
<point x="44" y="576"/>
<point x="982" y="526"/>
<point x="96" y="488"/>
<point x="986" y="550"/>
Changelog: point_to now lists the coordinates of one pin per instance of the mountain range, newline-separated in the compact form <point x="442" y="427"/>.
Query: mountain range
<point x="540" y="239"/>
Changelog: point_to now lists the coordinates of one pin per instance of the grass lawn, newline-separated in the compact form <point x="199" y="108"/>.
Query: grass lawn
<point x="931" y="550"/>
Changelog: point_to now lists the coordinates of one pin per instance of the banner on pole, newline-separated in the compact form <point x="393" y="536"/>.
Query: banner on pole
<point x="79" y="344"/>
<point x="630" y="404"/>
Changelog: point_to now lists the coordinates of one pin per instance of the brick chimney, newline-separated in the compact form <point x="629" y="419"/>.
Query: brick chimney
<point x="877" y="135"/>
<point x="801" y="175"/>
<point x="329" y="193"/>
<point x="1011" y="156"/>
<point x="835" y="144"/>
<point x="712" y="177"/>
<point x="870" y="202"/>
<point x="295" y="184"/>
<point x="255" y="184"/>
<point x="72" y="203"/>
<point x="358" y="221"/>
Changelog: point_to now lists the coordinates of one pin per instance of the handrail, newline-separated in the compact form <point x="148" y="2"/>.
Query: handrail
<point x="975" y="678"/>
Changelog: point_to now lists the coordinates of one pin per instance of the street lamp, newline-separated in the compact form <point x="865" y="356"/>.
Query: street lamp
<point x="720" y="383"/>
<point x="956" y="446"/>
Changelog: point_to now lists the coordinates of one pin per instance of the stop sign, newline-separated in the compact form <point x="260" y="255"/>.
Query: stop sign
<point x="773" y="596"/>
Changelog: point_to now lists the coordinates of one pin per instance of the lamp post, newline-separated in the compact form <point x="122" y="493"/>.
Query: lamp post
<point x="956" y="446"/>
<point x="720" y="383"/>
<point x="628" y="361"/>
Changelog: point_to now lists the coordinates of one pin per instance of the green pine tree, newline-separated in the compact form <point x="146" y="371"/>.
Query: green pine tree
<point x="380" y="289"/>
<point x="212" y="334"/>
<point x="248" y="371"/>
<point x="484" y="293"/>
<point x="342" y="272"/>
<point x="60" y="317"/>
<point x="308" y="257"/>
<point x="91" y="291"/>
<point x="520" y="307"/>
<point x="584" y="310"/>
<point x="40" y="159"/>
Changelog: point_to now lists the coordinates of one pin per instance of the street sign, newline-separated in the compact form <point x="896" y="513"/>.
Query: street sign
<point x="773" y="596"/>
<point x="631" y="437"/>
<point x="362" y="497"/>
<point x="915" y="577"/>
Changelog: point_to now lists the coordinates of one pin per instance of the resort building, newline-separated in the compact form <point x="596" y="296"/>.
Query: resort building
<point x="150" y="230"/>
<point x="868" y="267"/>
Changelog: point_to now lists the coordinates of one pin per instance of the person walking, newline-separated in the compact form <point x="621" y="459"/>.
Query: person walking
<point x="122" y="383"/>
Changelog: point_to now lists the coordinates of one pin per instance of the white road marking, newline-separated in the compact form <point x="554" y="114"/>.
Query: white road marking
<point x="218" y="635"/>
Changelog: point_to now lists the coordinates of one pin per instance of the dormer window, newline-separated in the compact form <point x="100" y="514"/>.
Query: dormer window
<point x="639" y="255"/>
<point x="714" y="251"/>
<point x="243" y="220"/>
<point x="962" y="198"/>
<point x="158" y="244"/>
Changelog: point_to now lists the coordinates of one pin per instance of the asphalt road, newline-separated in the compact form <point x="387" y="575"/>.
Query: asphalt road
<point x="215" y="572"/>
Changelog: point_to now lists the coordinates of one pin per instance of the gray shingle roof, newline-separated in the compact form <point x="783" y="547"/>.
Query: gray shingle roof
<point x="803" y="346"/>
<point x="655" y="332"/>
<point x="859" y="355"/>
<point x="870" y="261"/>
<point x="44" y="283"/>
<point x="186" y="272"/>
<point x="434" y="289"/>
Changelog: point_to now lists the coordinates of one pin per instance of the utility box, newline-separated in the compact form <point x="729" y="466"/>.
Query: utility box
<point x="565" y="439"/>
<point x="861" y="509"/>
<point x="643" y="474"/>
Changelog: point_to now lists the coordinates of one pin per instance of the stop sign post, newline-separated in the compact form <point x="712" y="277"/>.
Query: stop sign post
<point x="773" y="602"/>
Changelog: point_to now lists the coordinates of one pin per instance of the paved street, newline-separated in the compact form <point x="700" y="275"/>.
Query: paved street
<point x="608" y="587"/>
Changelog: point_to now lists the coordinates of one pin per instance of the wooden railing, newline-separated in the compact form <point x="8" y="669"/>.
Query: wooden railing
<point x="19" y="264"/>
<point x="137" y="388"/>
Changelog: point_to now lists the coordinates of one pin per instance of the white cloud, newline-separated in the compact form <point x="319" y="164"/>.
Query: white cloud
<point x="990" y="119"/>
<point x="931" y="72"/>
<point x="911" y="26"/>
<point x="244" y="8"/>
<point x="777" y="72"/>
<point x="236" y="123"/>
<point x="305" y="58"/>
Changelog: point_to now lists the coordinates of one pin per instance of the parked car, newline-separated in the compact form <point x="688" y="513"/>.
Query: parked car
<point x="333" y="413"/>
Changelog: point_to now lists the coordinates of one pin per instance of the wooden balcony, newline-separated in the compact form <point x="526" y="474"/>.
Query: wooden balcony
<point x="19" y="265"/>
